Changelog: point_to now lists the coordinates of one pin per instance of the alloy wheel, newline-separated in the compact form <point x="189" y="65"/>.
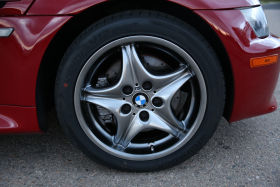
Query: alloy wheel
<point x="140" y="97"/>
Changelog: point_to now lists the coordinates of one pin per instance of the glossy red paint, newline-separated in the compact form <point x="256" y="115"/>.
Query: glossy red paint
<point x="21" y="55"/>
<point x="15" y="119"/>
<point x="15" y="8"/>
<point x="215" y="4"/>
<point x="22" y="52"/>
<point x="45" y="7"/>
<point x="253" y="88"/>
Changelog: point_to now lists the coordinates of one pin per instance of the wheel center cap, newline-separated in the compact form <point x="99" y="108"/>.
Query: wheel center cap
<point x="140" y="99"/>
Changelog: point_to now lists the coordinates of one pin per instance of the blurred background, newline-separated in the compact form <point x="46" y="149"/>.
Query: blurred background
<point x="272" y="11"/>
<point x="269" y="1"/>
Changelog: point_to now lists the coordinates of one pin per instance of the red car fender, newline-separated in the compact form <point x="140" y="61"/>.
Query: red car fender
<point x="16" y="119"/>
<point x="66" y="7"/>
<point x="15" y="8"/>
<point x="21" y="55"/>
<point x="253" y="87"/>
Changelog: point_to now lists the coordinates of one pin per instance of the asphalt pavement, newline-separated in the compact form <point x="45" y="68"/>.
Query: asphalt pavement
<point x="244" y="153"/>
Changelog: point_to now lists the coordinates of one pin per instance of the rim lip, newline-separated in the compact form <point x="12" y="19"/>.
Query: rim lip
<point x="131" y="39"/>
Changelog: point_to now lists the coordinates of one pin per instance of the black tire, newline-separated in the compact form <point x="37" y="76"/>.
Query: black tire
<point x="131" y="23"/>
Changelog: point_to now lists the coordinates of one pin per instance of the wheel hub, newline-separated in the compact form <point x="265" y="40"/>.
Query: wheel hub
<point x="140" y="100"/>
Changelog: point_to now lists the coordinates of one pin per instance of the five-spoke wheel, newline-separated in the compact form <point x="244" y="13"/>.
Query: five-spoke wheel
<point x="142" y="102"/>
<point x="139" y="90"/>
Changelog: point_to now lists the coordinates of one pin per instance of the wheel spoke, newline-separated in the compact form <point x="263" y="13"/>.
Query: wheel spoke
<point x="142" y="75"/>
<point x="125" y="135"/>
<point x="166" y="94"/>
<point x="157" y="122"/>
<point x="128" y="63"/>
<point x="123" y="120"/>
<point x="127" y="78"/>
<point x="191" y="109"/>
<point x="114" y="91"/>
<point x="163" y="80"/>
<point x="111" y="104"/>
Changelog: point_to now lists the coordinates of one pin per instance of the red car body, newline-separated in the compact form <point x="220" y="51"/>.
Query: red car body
<point x="36" y="26"/>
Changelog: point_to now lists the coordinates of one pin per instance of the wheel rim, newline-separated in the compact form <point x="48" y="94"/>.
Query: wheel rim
<point x="143" y="122"/>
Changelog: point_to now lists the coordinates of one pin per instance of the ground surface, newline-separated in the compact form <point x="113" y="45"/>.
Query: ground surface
<point x="243" y="153"/>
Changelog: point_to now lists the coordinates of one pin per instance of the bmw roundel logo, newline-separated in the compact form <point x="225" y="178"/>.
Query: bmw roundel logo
<point x="140" y="99"/>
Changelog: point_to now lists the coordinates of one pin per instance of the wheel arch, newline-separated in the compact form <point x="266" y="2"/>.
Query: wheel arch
<point x="63" y="39"/>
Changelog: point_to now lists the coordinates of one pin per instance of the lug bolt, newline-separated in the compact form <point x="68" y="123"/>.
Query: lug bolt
<point x="147" y="85"/>
<point x="126" y="108"/>
<point x="144" y="115"/>
<point x="127" y="90"/>
<point x="157" y="102"/>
